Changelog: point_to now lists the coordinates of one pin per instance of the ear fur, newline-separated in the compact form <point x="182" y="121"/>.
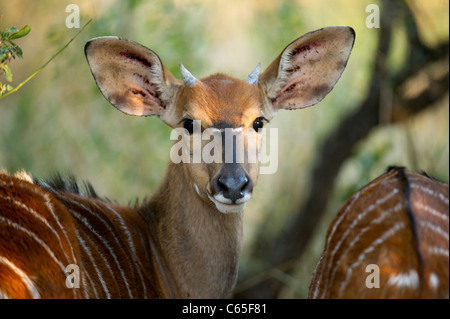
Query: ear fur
<point x="131" y="77"/>
<point x="307" y="69"/>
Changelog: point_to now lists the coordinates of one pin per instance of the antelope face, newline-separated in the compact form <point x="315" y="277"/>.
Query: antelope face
<point x="223" y="117"/>
<point x="229" y="111"/>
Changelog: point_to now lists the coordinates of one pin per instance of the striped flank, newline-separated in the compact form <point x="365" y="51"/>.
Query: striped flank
<point x="399" y="223"/>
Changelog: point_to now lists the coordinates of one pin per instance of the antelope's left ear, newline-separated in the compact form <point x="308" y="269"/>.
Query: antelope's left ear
<point x="307" y="69"/>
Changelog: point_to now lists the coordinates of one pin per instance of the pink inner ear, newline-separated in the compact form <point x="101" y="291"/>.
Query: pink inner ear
<point x="310" y="72"/>
<point x="134" y="94"/>
<point x="146" y="89"/>
<point x="134" y="57"/>
<point x="305" y="49"/>
<point x="141" y="96"/>
<point x="129" y="75"/>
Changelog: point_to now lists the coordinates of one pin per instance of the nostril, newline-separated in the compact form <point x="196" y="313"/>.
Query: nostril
<point x="223" y="183"/>
<point x="244" y="185"/>
<point x="233" y="184"/>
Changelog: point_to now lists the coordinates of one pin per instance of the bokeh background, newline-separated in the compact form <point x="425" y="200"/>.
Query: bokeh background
<point x="59" y="121"/>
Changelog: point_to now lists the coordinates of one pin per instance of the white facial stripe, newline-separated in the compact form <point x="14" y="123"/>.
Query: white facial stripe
<point x="196" y="189"/>
<point x="220" y="130"/>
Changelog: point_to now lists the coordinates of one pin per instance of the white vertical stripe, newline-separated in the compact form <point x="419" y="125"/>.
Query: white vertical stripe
<point x="3" y="295"/>
<point x="26" y="280"/>
<point x="131" y="244"/>
<point x="319" y="280"/>
<point x="403" y="280"/>
<point x="35" y="238"/>
<point x="390" y="232"/>
<point x="360" y="216"/>
<point x="55" y="216"/>
<point x="350" y="207"/>
<point x="431" y="192"/>
<point x="435" y="228"/>
<point x="356" y="239"/>
<point x="107" y="246"/>
<point x="432" y="211"/>
<point x="84" y="280"/>
<point x="440" y="251"/>
<point x="42" y="219"/>
<point x="94" y="263"/>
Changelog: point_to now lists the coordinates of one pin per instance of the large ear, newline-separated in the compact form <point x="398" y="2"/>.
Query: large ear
<point x="132" y="77"/>
<point x="307" y="69"/>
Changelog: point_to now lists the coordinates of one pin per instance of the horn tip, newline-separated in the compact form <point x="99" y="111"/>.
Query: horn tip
<point x="188" y="78"/>
<point x="253" y="77"/>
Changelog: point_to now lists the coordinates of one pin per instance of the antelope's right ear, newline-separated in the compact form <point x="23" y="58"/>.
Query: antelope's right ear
<point x="132" y="78"/>
<point x="307" y="69"/>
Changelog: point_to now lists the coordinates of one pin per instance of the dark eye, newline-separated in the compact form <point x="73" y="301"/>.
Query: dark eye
<point x="189" y="125"/>
<point x="258" y="123"/>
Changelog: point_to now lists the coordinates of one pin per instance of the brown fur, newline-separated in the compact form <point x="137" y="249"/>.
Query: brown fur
<point x="407" y="251"/>
<point x="20" y="204"/>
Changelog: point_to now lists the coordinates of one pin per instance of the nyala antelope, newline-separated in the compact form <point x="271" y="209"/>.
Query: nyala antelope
<point x="57" y="241"/>
<point x="186" y="240"/>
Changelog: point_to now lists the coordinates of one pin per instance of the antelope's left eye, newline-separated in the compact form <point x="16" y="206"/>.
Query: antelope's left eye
<point x="258" y="123"/>
<point x="188" y="124"/>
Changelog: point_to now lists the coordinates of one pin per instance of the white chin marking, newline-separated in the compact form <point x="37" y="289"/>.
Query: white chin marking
<point x="227" y="207"/>
<point x="196" y="189"/>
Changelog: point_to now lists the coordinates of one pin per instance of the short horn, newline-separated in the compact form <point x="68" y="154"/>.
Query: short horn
<point x="188" y="78"/>
<point x="253" y="77"/>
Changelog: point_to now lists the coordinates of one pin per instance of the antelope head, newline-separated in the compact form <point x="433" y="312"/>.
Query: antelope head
<point x="134" y="80"/>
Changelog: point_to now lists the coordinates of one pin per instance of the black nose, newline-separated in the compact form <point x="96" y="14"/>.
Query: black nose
<point x="232" y="182"/>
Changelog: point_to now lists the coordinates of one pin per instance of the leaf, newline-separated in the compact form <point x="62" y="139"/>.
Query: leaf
<point x="45" y="64"/>
<point x="21" y="33"/>
<point x="5" y="88"/>
<point x="8" y="73"/>
<point x="17" y="50"/>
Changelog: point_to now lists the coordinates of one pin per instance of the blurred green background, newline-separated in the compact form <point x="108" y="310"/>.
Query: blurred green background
<point x="59" y="121"/>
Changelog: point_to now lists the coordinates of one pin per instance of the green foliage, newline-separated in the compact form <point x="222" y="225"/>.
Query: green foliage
<point x="10" y="50"/>
<point x="22" y="32"/>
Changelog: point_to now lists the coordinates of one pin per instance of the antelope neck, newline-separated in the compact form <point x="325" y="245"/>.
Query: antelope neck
<point x="200" y="244"/>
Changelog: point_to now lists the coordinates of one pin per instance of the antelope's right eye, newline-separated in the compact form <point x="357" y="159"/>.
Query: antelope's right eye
<point x="259" y="123"/>
<point x="188" y="124"/>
